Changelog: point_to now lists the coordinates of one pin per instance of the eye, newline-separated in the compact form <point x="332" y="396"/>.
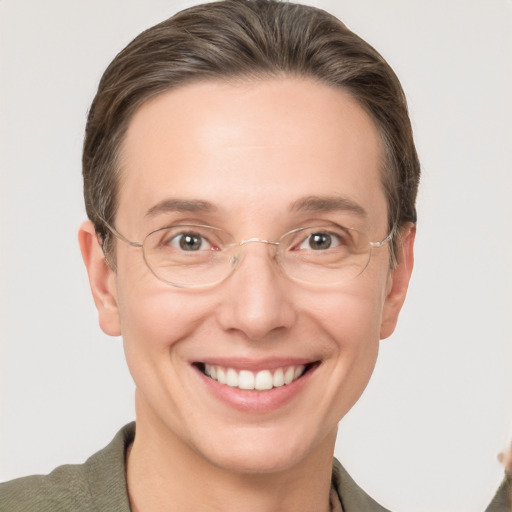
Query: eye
<point x="189" y="241"/>
<point x="320" y="241"/>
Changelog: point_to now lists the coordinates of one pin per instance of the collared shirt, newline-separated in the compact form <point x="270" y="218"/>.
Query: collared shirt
<point x="99" y="485"/>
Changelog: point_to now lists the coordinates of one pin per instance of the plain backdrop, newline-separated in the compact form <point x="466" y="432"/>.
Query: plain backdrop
<point x="426" y="433"/>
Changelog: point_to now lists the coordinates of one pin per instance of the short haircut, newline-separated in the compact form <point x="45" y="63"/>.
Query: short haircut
<point x="246" y="39"/>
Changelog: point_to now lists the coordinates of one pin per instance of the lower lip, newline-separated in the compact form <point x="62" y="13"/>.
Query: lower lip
<point x="253" y="401"/>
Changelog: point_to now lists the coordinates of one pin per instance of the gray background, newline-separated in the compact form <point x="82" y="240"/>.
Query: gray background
<point x="425" y="435"/>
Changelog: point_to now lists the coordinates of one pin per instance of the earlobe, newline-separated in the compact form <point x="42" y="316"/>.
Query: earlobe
<point x="101" y="280"/>
<point x="398" y="281"/>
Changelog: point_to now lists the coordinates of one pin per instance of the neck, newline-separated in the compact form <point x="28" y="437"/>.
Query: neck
<point x="164" y="473"/>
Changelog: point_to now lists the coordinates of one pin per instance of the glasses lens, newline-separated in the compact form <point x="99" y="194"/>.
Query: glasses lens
<point x="188" y="255"/>
<point x="324" y="254"/>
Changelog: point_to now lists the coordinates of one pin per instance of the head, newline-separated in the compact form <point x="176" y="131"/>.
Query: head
<point x="255" y="117"/>
<point x="251" y="40"/>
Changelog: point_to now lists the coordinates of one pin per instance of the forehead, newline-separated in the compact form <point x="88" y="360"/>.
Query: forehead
<point x="250" y="148"/>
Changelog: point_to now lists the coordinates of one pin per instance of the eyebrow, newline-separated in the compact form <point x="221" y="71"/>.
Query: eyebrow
<point x="181" y="205"/>
<point x="307" y="203"/>
<point x="328" y="204"/>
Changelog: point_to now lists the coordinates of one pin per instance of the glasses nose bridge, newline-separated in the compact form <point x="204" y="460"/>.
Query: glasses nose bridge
<point x="257" y="240"/>
<point x="236" y="259"/>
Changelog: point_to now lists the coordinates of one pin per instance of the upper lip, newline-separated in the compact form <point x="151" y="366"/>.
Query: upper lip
<point x="255" y="364"/>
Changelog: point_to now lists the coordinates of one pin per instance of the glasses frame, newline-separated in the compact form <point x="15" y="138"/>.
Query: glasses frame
<point x="236" y="259"/>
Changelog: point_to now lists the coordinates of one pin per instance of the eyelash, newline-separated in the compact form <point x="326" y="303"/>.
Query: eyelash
<point x="197" y="239"/>
<point x="334" y="236"/>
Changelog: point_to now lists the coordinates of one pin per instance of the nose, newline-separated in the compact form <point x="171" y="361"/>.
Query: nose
<point x="257" y="297"/>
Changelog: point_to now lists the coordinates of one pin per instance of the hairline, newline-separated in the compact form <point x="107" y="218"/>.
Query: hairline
<point x="262" y="75"/>
<point x="240" y="79"/>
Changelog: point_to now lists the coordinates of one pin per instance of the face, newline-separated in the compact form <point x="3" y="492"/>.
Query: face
<point x="258" y="154"/>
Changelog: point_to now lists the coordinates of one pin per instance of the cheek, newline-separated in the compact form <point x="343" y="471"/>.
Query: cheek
<point x="155" y="326"/>
<point x="154" y="319"/>
<point x="347" y="325"/>
<point x="355" y="330"/>
<point x="352" y="321"/>
<point x="351" y="317"/>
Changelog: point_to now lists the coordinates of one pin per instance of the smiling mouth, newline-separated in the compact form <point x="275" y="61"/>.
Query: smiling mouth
<point x="262" y="380"/>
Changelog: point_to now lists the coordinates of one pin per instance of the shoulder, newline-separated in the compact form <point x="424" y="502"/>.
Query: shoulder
<point x="61" y="490"/>
<point x="502" y="501"/>
<point x="98" y="484"/>
<point x="352" y="497"/>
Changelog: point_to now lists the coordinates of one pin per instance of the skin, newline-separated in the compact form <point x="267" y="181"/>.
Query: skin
<point x="505" y="458"/>
<point x="252" y="149"/>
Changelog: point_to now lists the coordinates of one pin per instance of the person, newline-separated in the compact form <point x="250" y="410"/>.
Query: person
<point x="502" y="500"/>
<point x="250" y="178"/>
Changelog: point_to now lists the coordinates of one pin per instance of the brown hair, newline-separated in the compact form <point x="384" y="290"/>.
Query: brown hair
<point x="248" y="39"/>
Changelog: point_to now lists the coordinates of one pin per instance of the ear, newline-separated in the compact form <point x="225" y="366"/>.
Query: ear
<point x="102" y="279"/>
<point x="398" y="281"/>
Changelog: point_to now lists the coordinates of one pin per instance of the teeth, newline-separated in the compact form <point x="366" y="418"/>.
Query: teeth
<point x="278" y="378"/>
<point x="232" y="378"/>
<point x="246" y="380"/>
<point x="260" y="381"/>
<point x="263" y="380"/>
<point x="298" y="372"/>
<point x="288" y="376"/>
<point x="221" y="376"/>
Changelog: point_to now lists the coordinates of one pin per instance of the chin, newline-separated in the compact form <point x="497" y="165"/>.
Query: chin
<point x="263" y="451"/>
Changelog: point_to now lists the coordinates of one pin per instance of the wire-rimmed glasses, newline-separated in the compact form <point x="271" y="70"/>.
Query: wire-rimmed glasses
<point x="196" y="255"/>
